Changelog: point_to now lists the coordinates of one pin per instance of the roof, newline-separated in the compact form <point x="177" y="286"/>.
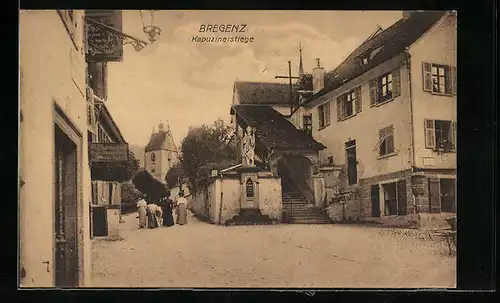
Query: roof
<point x="274" y="130"/>
<point x="161" y="140"/>
<point x="393" y="41"/>
<point x="105" y="117"/>
<point x="267" y="93"/>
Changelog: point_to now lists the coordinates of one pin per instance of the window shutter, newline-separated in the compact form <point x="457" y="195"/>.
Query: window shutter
<point x="430" y="136"/>
<point x="339" y="108"/>
<point x="454" y="135"/>
<point x="396" y="82"/>
<point x="381" y="139"/>
<point x="358" y="101"/>
<point x="327" y="113"/>
<point x="453" y="80"/>
<point x="390" y="139"/>
<point x="373" y="92"/>
<point x="427" y="76"/>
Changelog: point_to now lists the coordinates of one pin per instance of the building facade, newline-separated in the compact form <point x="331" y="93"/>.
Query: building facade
<point x="160" y="153"/>
<point x="387" y="116"/>
<point x="54" y="185"/>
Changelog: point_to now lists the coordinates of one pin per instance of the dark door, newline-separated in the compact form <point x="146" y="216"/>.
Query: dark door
<point x="99" y="221"/>
<point x="448" y="198"/>
<point x="66" y="248"/>
<point x="401" y="192"/>
<point x="434" y="196"/>
<point x="352" y="170"/>
<point x="375" y="201"/>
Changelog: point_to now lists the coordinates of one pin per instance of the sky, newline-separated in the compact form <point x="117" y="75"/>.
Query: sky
<point x="185" y="83"/>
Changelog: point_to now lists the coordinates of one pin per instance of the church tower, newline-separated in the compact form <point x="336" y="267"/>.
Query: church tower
<point x="161" y="153"/>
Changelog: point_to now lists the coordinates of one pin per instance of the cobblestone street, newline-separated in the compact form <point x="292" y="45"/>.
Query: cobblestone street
<point x="324" y="256"/>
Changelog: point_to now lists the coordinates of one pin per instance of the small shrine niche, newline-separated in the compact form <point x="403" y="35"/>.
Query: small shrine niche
<point x="249" y="188"/>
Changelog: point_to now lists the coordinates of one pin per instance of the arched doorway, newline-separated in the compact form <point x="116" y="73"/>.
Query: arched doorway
<point x="296" y="175"/>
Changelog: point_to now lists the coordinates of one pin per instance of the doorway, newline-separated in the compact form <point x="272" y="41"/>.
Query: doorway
<point x="448" y="198"/>
<point x="375" y="193"/>
<point x="66" y="211"/>
<point x="352" y="162"/>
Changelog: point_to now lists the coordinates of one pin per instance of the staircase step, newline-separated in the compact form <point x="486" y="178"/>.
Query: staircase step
<point x="308" y="222"/>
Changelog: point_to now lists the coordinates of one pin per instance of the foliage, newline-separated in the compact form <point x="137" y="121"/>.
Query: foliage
<point x="129" y="193"/>
<point x="152" y="188"/>
<point x="116" y="171"/>
<point x="174" y="174"/>
<point x="206" y="148"/>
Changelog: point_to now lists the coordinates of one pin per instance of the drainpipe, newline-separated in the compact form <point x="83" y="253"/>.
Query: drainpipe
<point x="412" y="147"/>
<point x="221" y="196"/>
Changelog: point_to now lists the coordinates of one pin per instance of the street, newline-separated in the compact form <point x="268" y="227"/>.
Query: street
<point x="307" y="256"/>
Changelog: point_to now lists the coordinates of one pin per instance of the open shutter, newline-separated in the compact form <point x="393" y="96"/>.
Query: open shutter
<point x="373" y="92"/>
<point x="381" y="139"/>
<point x="357" y="100"/>
<point x="339" y="108"/>
<point x="327" y="113"/>
<point x="427" y="76"/>
<point x="434" y="195"/>
<point x="401" y="196"/>
<point x="389" y="143"/>
<point x="453" y="135"/>
<point x="396" y="82"/>
<point x="430" y="135"/>
<point x="453" y="80"/>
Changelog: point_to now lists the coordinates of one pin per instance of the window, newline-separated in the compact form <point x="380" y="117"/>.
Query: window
<point x="71" y="24"/>
<point x="440" y="135"/>
<point x="385" y="88"/>
<point x="249" y="188"/>
<point x="439" y="78"/>
<point x="349" y="104"/>
<point x="386" y="141"/>
<point x="352" y="162"/>
<point x="324" y="115"/>
<point x="153" y="157"/>
<point x="307" y="124"/>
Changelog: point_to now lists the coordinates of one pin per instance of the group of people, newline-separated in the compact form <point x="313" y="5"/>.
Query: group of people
<point x="155" y="215"/>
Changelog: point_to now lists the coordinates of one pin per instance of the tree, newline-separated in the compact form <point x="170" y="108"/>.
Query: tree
<point x="152" y="188"/>
<point x="206" y="148"/>
<point x="174" y="174"/>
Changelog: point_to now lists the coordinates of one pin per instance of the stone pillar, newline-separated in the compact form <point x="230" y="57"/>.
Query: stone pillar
<point x="421" y="193"/>
<point x="319" y="191"/>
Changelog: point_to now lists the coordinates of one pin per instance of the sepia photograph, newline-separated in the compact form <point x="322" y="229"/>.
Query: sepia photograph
<point x="279" y="149"/>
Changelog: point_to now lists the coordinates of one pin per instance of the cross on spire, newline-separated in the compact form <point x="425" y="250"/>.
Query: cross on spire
<point x="301" y="66"/>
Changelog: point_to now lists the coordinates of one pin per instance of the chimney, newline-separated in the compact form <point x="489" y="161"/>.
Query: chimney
<point x="318" y="77"/>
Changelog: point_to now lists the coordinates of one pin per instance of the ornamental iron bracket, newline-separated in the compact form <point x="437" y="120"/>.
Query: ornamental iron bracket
<point x="112" y="36"/>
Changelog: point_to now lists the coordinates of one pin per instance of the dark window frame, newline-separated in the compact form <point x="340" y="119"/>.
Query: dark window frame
<point x="387" y="85"/>
<point x="324" y="111"/>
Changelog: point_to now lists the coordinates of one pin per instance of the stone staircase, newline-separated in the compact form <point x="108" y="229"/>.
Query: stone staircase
<point x="296" y="209"/>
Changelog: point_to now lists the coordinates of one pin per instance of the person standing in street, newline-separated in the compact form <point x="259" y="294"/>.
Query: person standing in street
<point x="141" y="210"/>
<point x="182" y="209"/>
<point x="167" y="203"/>
<point x="152" y="218"/>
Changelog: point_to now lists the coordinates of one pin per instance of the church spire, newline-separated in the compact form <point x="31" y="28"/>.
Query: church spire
<point x="301" y="66"/>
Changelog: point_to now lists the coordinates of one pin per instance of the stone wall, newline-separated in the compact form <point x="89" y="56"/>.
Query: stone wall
<point x="270" y="202"/>
<point x="113" y="217"/>
<point x="221" y="200"/>
<point x="228" y="201"/>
